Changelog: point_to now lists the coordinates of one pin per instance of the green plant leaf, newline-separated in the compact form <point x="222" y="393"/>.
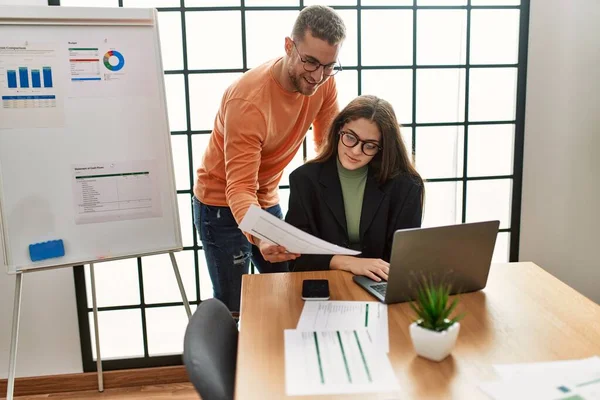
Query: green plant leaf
<point x="458" y="317"/>
<point x="416" y="307"/>
<point x="432" y="305"/>
<point x="452" y="307"/>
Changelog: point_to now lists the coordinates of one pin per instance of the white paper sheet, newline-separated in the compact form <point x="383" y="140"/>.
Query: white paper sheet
<point x="115" y="191"/>
<point x="555" y="370"/>
<point x="547" y="380"/>
<point x="31" y="91"/>
<point x="104" y="68"/>
<point x="347" y="315"/>
<point x="335" y="362"/>
<point x="265" y="226"/>
<point x="587" y="387"/>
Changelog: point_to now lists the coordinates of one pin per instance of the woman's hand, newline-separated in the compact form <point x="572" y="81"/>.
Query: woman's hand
<point x="274" y="253"/>
<point x="374" y="268"/>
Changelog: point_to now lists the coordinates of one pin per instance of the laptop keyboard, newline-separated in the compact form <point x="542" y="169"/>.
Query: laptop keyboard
<point x="380" y="288"/>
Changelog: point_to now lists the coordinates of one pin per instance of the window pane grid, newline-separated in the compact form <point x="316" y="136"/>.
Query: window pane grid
<point x="344" y="7"/>
<point x="142" y="307"/>
<point x="421" y="124"/>
<point x="193" y="246"/>
<point x="350" y="68"/>
<point x="466" y="131"/>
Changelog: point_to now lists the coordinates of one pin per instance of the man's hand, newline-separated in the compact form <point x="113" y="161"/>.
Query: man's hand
<point x="274" y="253"/>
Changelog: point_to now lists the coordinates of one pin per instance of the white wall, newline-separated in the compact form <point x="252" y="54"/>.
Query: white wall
<point x="560" y="220"/>
<point x="49" y="333"/>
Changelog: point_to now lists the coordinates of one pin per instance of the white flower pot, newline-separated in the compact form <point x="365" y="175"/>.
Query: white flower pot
<point x="431" y="344"/>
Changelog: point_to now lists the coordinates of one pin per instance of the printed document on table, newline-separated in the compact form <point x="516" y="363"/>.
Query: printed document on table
<point x="335" y="362"/>
<point x="585" y="387"/>
<point x="347" y="315"/>
<point x="555" y="370"/>
<point x="568" y="379"/>
<point x="265" y="226"/>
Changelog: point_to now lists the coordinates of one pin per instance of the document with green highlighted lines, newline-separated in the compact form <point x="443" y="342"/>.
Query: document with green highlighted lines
<point x="335" y="362"/>
<point x="335" y="315"/>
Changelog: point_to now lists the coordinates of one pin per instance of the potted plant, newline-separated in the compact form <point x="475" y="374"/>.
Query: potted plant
<point x="434" y="332"/>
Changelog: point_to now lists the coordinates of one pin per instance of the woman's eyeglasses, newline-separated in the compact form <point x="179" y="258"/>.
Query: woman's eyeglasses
<point x="369" y="148"/>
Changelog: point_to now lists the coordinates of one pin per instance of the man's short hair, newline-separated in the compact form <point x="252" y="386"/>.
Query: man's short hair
<point x="323" y="22"/>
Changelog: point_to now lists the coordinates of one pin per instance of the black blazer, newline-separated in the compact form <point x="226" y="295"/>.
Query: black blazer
<point x="317" y="207"/>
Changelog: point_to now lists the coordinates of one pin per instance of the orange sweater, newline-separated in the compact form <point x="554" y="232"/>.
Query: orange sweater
<point x="258" y="130"/>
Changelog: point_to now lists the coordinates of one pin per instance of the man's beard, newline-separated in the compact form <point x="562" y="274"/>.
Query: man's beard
<point x="296" y="81"/>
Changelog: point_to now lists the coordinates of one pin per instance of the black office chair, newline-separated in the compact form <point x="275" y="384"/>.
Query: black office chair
<point x="210" y="350"/>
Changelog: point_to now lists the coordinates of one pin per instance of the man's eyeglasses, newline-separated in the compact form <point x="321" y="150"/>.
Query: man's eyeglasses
<point x="312" y="66"/>
<point x="369" y="148"/>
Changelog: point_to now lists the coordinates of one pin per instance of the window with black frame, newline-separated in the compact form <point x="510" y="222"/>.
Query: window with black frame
<point x="454" y="71"/>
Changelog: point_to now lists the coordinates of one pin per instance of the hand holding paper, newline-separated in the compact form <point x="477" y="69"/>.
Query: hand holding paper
<point x="274" y="253"/>
<point x="267" y="227"/>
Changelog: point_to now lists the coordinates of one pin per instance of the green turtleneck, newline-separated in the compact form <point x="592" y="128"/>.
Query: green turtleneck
<point x="353" y="184"/>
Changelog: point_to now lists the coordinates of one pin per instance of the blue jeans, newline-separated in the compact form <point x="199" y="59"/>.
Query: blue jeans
<point x="228" y="252"/>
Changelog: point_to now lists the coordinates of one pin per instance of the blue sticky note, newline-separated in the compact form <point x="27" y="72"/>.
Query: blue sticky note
<point x="45" y="250"/>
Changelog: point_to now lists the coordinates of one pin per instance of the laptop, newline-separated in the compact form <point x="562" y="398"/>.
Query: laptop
<point x="457" y="254"/>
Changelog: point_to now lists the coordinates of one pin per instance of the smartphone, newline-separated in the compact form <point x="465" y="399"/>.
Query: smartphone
<point x="315" y="289"/>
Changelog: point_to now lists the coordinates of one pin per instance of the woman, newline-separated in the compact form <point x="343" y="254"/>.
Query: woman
<point x="359" y="190"/>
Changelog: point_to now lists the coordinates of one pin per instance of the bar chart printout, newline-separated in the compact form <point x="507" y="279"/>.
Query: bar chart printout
<point x="27" y="84"/>
<point x="24" y="82"/>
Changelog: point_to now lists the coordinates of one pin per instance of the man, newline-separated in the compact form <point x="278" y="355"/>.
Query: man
<point x="259" y="127"/>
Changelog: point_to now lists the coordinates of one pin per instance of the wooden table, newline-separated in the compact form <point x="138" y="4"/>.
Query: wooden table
<point x="523" y="315"/>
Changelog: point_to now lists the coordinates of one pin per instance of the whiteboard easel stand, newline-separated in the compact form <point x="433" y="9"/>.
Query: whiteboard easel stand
<point x="102" y="142"/>
<point x="14" y="337"/>
<point x="186" y="303"/>
<point x="17" y="316"/>
<point x="96" y="330"/>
